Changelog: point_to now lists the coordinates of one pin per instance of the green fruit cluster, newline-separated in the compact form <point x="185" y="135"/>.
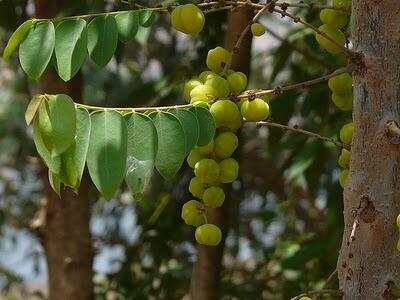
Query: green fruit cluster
<point x="342" y="91"/>
<point x="333" y="21"/>
<point x="188" y="19"/>
<point x="346" y="135"/>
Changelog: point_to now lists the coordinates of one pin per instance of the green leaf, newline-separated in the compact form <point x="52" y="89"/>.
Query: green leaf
<point x="57" y="123"/>
<point x="206" y="125"/>
<point x="128" y="24"/>
<point x="83" y="127"/>
<point x="55" y="183"/>
<point x="32" y="108"/>
<point x="142" y="150"/>
<point x="147" y="18"/>
<point x="190" y="126"/>
<point x="36" y="50"/>
<point x="106" y="158"/>
<point x="171" y="144"/>
<point x="102" y="39"/>
<point x="17" y="37"/>
<point x="70" y="47"/>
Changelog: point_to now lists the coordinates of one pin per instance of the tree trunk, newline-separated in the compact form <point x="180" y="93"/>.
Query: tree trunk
<point x="63" y="224"/>
<point x="369" y="264"/>
<point x="206" y="271"/>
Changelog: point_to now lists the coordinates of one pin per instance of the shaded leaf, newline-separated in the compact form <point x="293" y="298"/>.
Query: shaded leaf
<point x="32" y="108"/>
<point x="17" y="37"/>
<point x="206" y="125"/>
<point x="190" y="126"/>
<point x="55" y="183"/>
<point x="83" y="126"/>
<point x="147" y="18"/>
<point x="106" y="159"/>
<point x="171" y="144"/>
<point x="70" y="47"/>
<point x="36" y="50"/>
<point x="128" y="24"/>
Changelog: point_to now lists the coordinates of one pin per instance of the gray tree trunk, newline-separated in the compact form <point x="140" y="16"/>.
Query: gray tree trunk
<point x="369" y="264"/>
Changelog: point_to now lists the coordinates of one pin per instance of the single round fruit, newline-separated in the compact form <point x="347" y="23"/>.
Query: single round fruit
<point x="207" y="170"/>
<point x="189" y="86"/>
<point x="229" y="170"/>
<point x="188" y="19"/>
<point x="193" y="157"/>
<point x="257" y="29"/>
<point x="344" y="159"/>
<point x="255" y="110"/>
<point x="346" y="134"/>
<point x="237" y="82"/>
<point x="196" y="187"/>
<point x="213" y="197"/>
<point x="226" y="115"/>
<point x="334" y="34"/>
<point x="398" y="221"/>
<point x="205" y="75"/>
<point x="341" y="84"/>
<point x="218" y="59"/>
<point x="305" y="298"/>
<point x="342" y="4"/>
<point x="192" y="213"/>
<point x="333" y="18"/>
<point x="342" y="177"/>
<point x="208" y="234"/>
<point x="220" y="84"/>
<point x="343" y="101"/>
<point x="207" y="149"/>
<point x="202" y="91"/>
<point x="225" y="144"/>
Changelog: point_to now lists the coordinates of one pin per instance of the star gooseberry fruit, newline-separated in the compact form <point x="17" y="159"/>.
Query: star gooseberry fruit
<point x="225" y="144"/>
<point x="196" y="187"/>
<point x="342" y="177"/>
<point x="207" y="170"/>
<point x="226" y="115"/>
<point x="188" y="19"/>
<point x="213" y="197"/>
<point x="194" y="156"/>
<point x="192" y="213"/>
<point x="229" y="170"/>
<point x="334" y="34"/>
<point x="255" y="110"/>
<point x="208" y="234"/>
<point x="346" y="134"/>
<point x="202" y="92"/>
<point x="257" y="29"/>
<point x="333" y="18"/>
<point x="207" y="149"/>
<point x="237" y="82"/>
<point x="344" y="158"/>
<point x="341" y="84"/>
<point x="189" y="86"/>
<point x="220" y="84"/>
<point x="343" y="4"/>
<point x="218" y="59"/>
<point x="343" y="101"/>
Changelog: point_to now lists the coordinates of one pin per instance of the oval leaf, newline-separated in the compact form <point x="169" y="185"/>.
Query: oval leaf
<point x="171" y="144"/>
<point x="147" y="18"/>
<point x="106" y="159"/>
<point x="102" y="39"/>
<point x="142" y="150"/>
<point x="190" y="126"/>
<point x="36" y="50"/>
<point x="57" y="123"/>
<point x="17" y="37"/>
<point x="32" y="108"/>
<point x="206" y="125"/>
<point x="83" y="126"/>
<point x="70" y="47"/>
<point x="55" y="183"/>
<point x="128" y="24"/>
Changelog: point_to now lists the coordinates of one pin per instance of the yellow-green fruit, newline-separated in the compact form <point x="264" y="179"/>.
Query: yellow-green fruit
<point x="334" y="34"/>
<point x="193" y="157"/>
<point x="257" y="29"/>
<point x="189" y="86"/>
<point x="343" y="101"/>
<point x="226" y="115"/>
<point x="229" y="170"/>
<point x="218" y="58"/>
<point x="188" y="19"/>
<point x="341" y="84"/>
<point x="305" y="298"/>
<point x="343" y="4"/>
<point x="220" y="84"/>
<point x="229" y="72"/>
<point x="398" y="221"/>
<point x="207" y="170"/>
<point x="203" y="76"/>
<point x="202" y="91"/>
<point x="225" y="144"/>
<point x="333" y="17"/>
<point x="342" y="177"/>
<point x="208" y="234"/>
<point x="207" y="149"/>
<point x="344" y="159"/>
<point x="192" y="213"/>
<point x="213" y="197"/>
<point x="346" y="134"/>
<point x="203" y="104"/>
<point x="255" y="110"/>
<point x="196" y="187"/>
<point x="237" y="82"/>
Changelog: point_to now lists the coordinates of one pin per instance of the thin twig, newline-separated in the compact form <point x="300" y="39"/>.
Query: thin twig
<point x="330" y="277"/>
<point x="134" y="109"/>
<point x="317" y="292"/>
<point x="299" y="130"/>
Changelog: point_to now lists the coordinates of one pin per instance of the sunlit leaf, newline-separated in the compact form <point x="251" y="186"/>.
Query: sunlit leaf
<point x="128" y="24"/>
<point x="32" y="108"/>
<point x="17" y="37"/>
<point x="206" y="125"/>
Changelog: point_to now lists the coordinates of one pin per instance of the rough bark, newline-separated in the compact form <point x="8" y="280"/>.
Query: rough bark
<point x="63" y="223"/>
<point x="206" y="271"/>
<point x="369" y="263"/>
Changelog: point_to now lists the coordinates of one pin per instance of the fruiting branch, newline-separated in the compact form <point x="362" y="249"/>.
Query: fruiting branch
<point x="317" y="292"/>
<point x="133" y="109"/>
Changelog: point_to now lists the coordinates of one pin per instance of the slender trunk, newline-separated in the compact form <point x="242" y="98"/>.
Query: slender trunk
<point x="63" y="223"/>
<point x="206" y="271"/>
<point x="368" y="265"/>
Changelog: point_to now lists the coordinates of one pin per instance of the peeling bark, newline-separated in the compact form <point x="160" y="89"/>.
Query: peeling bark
<point x="369" y="264"/>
